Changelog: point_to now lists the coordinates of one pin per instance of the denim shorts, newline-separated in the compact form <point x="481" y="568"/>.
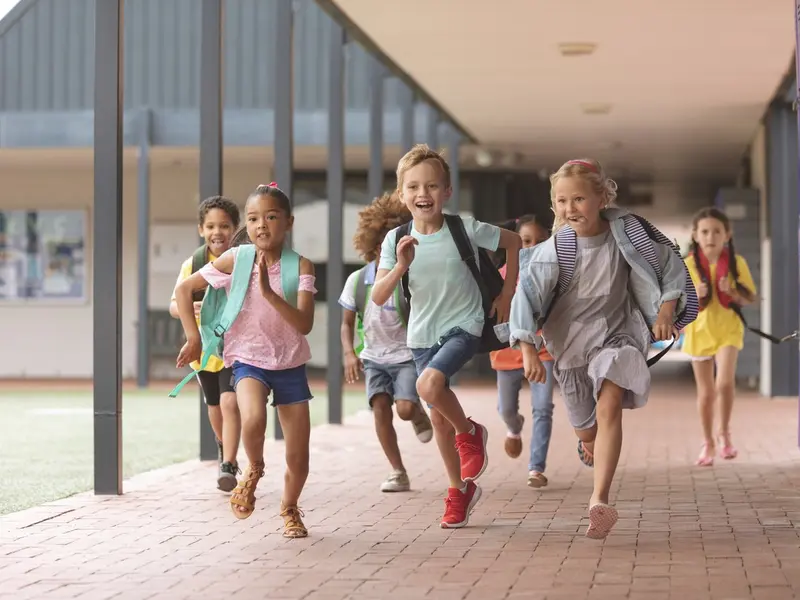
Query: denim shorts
<point x="453" y="350"/>
<point x="398" y="381"/>
<point x="288" y="386"/>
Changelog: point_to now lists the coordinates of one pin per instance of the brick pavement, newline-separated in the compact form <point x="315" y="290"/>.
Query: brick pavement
<point x="729" y="532"/>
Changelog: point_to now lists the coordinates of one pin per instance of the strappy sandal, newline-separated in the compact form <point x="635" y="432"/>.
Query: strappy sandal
<point x="244" y="494"/>
<point x="292" y="522"/>
<point x="726" y="449"/>
<point x="706" y="458"/>
<point x="585" y="454"/>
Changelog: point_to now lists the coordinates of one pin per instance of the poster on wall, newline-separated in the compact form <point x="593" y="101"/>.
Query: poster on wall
<point x="43" y="255"/>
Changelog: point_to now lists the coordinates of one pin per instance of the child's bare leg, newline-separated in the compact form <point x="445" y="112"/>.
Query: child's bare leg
<point x="704" y="378"/>
<point x="251" y="396"/>
<point x="608" y="443"/>
<point x="432" y="387"/>
<point x="726" y="385"/>
<point x="296" y="423"/>
<point x="231" y="427"/>
<point x="387" y="436"/>
<point x="446" y="440"/>
<point x="215" y="418"/>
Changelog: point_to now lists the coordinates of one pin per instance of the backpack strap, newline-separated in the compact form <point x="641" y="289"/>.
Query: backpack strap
<point x="401" y="306"/>
<point x="566" y="244"/>
<point x="459" y="234"/>
<point x="290" y="275"/>
<point x="199" y="259"/>
<point x="360" y="291"/>
<point x="400" y="233"/>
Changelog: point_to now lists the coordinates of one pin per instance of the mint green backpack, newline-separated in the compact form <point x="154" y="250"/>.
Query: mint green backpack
<point x="220" y="309"/>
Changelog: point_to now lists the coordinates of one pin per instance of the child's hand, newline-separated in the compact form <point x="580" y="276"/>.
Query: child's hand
<point x="197" y="307"/>
<point x="532" y="365"/>
<point x="263" y="278"/>
<point x="405" y="251"/>
<point x="501" y="307"/>
<point x="663" y="329"/>
<point x="725" y="285"/>
<point x="190" y="352"/>
<point x="352" y="367"/>
<point x="701" y="289"/>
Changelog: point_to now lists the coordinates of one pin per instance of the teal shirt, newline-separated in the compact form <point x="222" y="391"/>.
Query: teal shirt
<point x="444" y="294"/>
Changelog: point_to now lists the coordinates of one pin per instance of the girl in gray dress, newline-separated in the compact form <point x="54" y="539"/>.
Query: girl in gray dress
<point x="619" y="285"/>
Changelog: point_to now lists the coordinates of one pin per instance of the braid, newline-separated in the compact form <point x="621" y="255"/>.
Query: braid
<point x="695" y="250"/>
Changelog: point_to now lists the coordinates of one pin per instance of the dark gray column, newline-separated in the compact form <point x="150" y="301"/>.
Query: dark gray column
<point x="432" y="127"/>
<point x="407" y="102"/>
<point x="283" y="60"/>
<point x="376" y="103"/>
<point x="143" y="251"/>
<point x="797" y="98"/>
<point x="107" y="253"/>
<point x="453" y="147"/>
<point x="210" y="148"/>
<point x="782" y="161"/>
<point x="335" y="269"/>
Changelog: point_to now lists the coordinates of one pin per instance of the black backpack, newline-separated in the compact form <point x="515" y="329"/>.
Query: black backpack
<point x="483" y="270"/>
<point x="199" y="259"/>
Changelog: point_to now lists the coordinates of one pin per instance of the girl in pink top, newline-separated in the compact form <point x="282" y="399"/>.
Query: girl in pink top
<point x="267" y="350"/>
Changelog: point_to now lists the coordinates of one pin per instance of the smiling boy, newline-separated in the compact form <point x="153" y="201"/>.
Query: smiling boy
<point x="446" y="316"/>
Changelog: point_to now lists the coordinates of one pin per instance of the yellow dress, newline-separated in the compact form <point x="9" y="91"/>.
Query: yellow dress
<point x="716" y="326"/>
<point x="215" y="365"/>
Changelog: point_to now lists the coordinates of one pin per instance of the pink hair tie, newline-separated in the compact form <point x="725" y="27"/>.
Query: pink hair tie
<point x="583" y="163"/>
<point x="273" y="184"/>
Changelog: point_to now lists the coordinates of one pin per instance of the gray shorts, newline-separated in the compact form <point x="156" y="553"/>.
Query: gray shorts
<point x="398" y="381"/>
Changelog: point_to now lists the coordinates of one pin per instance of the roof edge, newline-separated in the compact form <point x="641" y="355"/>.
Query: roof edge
<point x="15" y="14"/>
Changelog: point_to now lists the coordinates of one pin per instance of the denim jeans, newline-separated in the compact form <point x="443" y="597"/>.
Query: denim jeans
<point x="509" y="384"/>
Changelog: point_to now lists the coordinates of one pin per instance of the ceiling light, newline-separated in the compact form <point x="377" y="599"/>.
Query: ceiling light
<point x="596" y="108"/>
<point x="483" y="158"/>
<point x="576" y="49"/>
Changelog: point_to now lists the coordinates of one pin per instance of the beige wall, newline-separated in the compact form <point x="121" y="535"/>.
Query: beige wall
<point x="55" y="340"/>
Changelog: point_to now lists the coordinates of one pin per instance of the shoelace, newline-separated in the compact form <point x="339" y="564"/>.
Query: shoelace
<point x="293" y="514"/>
<point x="467" y="445"/>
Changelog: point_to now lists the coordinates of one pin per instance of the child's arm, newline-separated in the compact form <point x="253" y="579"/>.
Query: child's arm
<point x="186" y="270"/>
<point x="536" y="287"/>
<point x="744" y="293"/>
<point x="302" y="317"/>
<point x="352" y="365"/>
<point x="392" y="266"/>
<point x="512" y="243"/>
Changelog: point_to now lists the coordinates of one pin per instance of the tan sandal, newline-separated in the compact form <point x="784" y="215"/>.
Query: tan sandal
<point x="292" y="522"/>
<point x="244" y="494"/>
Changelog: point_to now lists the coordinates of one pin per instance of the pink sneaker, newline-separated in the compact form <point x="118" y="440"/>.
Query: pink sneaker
<point x="472" y="451"/>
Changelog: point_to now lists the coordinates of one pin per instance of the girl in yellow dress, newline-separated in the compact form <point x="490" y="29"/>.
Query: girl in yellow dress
<point x="724" y="284"/>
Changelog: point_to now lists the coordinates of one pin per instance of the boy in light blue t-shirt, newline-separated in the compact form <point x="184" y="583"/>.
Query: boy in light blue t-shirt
<point x="446" y="317"/>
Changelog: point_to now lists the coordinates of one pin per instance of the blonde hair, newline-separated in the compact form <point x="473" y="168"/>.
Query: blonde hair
<point x="419" y="154"/>
<point x="375" y="221"/>
<point x="590" y="170"/>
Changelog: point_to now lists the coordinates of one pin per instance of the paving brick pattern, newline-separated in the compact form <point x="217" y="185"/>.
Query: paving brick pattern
<point x="729" y="532"/>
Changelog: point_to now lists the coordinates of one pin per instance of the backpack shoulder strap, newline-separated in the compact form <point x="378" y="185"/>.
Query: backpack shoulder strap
<point x="199" y="258"/>
<point x="459" y="234"/>
<point x="643" y="235"/>
<point x="566" y="245"/>
<point x="401" y="306"/>
<point x="400" y="232"/>
<point x="240" y="282"/>
<point x="290" y="275"/>
<point x="360" y="291"/>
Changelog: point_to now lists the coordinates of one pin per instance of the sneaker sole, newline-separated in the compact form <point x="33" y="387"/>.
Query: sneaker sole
<point x="475" y="498"/>
<point x="396" y="490"/>
<point x="226" y="483"/>
<point x="485" y="456"/>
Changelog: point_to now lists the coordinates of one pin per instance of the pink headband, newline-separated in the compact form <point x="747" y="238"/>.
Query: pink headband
<point x="583" y="163"/>
<point x="271" y="184"/>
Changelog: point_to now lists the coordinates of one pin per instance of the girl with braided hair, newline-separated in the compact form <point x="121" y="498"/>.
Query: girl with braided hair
<point x="724" y="284"/>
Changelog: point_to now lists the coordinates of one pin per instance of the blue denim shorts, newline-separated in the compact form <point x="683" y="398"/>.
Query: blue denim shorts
<point x="398" y="381"/>
<point x="288" y="386"/>
<point x="453" y="350"/>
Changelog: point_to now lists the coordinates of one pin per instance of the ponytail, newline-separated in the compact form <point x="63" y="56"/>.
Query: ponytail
<point x="704" y="277"/>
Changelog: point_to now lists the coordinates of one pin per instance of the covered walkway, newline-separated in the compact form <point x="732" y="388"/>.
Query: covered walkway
<point x="729" y="532"/>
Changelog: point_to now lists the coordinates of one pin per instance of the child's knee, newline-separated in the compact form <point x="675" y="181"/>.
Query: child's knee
<point x="440" y="423"/>
<point x="725" y="388"/>
<point x="587" y="435"/>
<point x="405" y="409"/>
<point x="297" y="462"/>
<point x="705" y="397"/>
<point x="228" y="403"/>
<point x="381" y="406"/>
<point x="430" y="383"/>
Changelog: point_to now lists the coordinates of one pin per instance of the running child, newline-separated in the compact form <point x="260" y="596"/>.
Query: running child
<point x="601" y="289"/>
<point x="266" y="348"/>
<point x="511" y="374"/>
<point x="386" y="361"/>
<point x="447" y="315"/>
<point x="218" y="221"/>
<point x="724" y="284"/>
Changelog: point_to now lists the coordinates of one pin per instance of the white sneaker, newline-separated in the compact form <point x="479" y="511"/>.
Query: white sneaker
<point x="423" y="428"/>
<point x="397" y="481"/>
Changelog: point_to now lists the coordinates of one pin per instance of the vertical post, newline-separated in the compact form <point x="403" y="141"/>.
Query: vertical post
<point x="210" y="148"/>
<point x="283" y="60"/>
<point x="375" y="174"/>
<point x="107" y="284"/>
<point x="143" y="243"/>
<point x="335" y="269"/>
<point x="432" y="128"/>
<point x="407" y="119"/>
<point x="797" y="111"/>
<point x="453" y="146"/>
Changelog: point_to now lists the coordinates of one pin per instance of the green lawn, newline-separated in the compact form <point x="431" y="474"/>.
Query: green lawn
<point x="47" y="439"/>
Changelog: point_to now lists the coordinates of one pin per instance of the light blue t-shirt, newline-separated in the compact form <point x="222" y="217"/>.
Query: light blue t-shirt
<point x="444" y="294"/>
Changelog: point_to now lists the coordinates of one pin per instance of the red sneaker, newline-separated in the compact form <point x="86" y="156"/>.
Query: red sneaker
<point x="458" y="505"/>
<point x="472" y="451"/>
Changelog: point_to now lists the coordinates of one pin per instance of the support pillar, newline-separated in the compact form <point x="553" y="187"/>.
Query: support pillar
<point x="407" y="102"/>
<point x="376" y="108"/>
<point x="143" y="250"/>
<point x="107" y="252"/>
<point x="797" y="98"/>
<point x="211" y="144"/>
<point x="283" y="61"/>
<point x="453" y="147"/>
<point x="335" y="268"/>
<point x="432" y="128"/>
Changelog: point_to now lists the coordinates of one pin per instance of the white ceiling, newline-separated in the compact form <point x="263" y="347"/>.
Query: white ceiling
<point x="688" y="80"/>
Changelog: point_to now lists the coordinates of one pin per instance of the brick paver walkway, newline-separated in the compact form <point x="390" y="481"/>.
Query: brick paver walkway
<point x="729" y="532"/>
